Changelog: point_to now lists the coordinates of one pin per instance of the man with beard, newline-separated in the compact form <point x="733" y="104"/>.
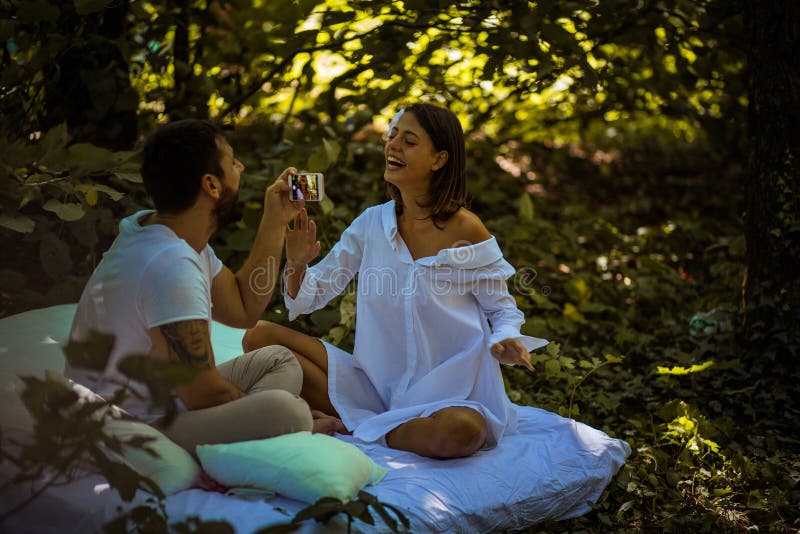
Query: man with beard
<point x="160" y="284"/>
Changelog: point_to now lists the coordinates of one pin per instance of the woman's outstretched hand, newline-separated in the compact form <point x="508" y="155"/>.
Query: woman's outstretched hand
<point x="511" y="352"/>
<point x="301" y="240"/>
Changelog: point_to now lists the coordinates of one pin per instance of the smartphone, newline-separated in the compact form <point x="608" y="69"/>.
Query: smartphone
<point x="308" y="186"/>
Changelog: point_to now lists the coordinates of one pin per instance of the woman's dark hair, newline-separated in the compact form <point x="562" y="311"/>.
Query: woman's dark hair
<point x="448" y="188"/>
<point x="175" y="157"/>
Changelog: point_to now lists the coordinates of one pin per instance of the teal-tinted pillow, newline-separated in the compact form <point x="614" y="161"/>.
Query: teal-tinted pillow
<point x="302" y="465"/>
<point x="172" y="468"/>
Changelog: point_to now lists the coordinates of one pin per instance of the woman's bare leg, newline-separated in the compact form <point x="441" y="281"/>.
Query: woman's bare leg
<point x="309" y="351"/>
<point x="453" y="432"/>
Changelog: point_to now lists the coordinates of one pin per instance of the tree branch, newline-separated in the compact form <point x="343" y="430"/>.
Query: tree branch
<point x="256" y="86"/>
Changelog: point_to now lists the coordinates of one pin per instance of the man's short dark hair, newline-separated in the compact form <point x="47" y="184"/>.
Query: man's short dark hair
<point x="175" y="157"/>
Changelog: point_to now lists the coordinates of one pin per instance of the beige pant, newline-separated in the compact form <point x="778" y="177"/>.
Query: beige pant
<point x="272" y="378"/>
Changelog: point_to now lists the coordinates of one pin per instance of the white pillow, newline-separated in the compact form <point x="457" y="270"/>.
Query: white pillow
<point x="302" y="465"/>
<point x="173" y="469"/>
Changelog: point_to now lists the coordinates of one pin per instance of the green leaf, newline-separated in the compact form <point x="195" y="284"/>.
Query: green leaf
<point x="678" y="370"/>
<point x="119" y="475"/>
<point x="123" y="159"/>
<point x="85" y="7"/>
<point x="525" y="207"/>
<point x="577" y="290"/>
<point x="325" y="319"/>
<point x="56" y="138"/>
<point x="129" y="177"/>
<point x="110" y="191"/>
<point x="85" y="231"/>
<point x="91" y="354"/>
<point x="241" y="240"/>
<point x="65" y="211"/>
<point x="332" y="149"/>
<point x="321" y="511"/>
<point x="54" y="256"/>
<point x="358" y="509"/>
<point x="571" y="313"/>
<point x="326" y="205"/>
<point x="85" y="158"/>
<point x="318" y="161"/>
<point x="18" y="223"/>
<point x="542" y="302"/>
<point x="596" y="307"/>
<point x="552" y="368"/>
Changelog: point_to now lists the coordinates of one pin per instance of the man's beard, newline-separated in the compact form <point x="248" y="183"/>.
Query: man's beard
<point x="227" y="211"/>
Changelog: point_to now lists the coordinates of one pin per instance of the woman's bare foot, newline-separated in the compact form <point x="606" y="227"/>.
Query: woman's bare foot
<point x="206" y="482"/>
<point x="326" y="424"/>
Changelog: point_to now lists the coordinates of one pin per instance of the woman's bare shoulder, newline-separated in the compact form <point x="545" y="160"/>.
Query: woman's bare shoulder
<point x="467" y="228"/>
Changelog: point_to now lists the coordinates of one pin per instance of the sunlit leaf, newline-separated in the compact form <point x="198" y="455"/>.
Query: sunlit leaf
<point x="91" y="197"/>
<point x="571" y="313"/>
<point x="678" y="370"/>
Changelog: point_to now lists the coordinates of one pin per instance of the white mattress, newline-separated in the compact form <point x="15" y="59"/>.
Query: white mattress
<point x="552" y="469"/>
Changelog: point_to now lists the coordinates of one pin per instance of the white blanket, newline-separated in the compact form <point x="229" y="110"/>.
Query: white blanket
<point x="552" y="469"/>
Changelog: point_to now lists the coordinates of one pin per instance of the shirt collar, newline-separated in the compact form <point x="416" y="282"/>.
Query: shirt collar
<point x="132" y="223"/>
<point x="474" y="256"/>
<point x="389" y="219"/>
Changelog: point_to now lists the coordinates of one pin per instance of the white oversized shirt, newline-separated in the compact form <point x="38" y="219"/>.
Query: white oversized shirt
<point x="422" y="334"/>
<point x="149" y="277"/>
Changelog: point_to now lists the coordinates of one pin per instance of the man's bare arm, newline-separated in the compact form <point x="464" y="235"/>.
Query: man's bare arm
<point x="240" y="299"/>
<point x="189" y="342"/>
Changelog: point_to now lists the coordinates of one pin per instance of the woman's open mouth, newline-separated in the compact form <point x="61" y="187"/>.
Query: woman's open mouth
<point x="393" y="163"/>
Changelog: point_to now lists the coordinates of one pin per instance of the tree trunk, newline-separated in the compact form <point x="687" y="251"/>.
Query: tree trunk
<point x="772" y="224"/>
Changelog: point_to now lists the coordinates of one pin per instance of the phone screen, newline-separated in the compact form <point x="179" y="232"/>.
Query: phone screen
<point x="306" y="186"/>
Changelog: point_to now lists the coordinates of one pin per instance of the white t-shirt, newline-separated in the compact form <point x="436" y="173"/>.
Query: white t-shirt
<point x="149" y="277"/>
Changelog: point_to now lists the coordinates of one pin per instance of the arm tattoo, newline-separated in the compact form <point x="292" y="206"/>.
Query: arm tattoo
<point x="188" y="342"/>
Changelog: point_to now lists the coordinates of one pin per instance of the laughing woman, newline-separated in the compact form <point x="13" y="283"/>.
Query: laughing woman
<point x="435" y="317"/>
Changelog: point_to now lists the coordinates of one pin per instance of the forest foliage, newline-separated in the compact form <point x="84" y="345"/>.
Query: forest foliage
<point x="606" y="151"/>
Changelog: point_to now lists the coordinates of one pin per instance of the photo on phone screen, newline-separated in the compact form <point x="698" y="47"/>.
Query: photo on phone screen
<point x="308" y="186"/>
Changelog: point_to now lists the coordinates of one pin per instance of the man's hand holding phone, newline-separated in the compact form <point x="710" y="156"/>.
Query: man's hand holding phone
<point x="277" y="205"/>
